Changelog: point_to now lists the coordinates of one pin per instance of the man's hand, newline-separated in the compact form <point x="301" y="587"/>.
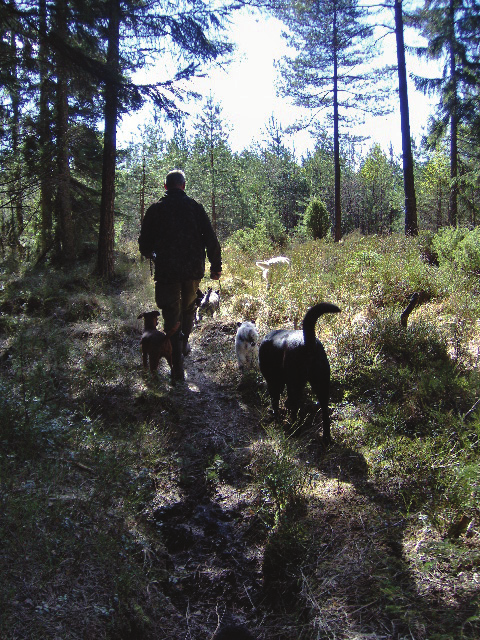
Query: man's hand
<point x="215" y="275"/>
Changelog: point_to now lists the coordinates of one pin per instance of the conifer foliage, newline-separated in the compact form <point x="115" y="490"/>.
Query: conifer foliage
<point x="452" y="29"/>
<point x="330" y="42"/>
<point x="67" y="71"/>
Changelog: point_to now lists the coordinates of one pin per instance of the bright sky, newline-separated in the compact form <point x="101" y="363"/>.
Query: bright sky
<point x="246" y="92"/>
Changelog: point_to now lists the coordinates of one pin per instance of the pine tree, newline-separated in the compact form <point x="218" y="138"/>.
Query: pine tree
<point x="284" y="179"/>
<point x="105" y="266"/>
<point x="330" y="39"/>
<point x="452" y="29"/>
<point x="186" y="31"/>
<point x="378" y="188"/>
<point x="210" y="168"/>
<point x="411" y="223"/>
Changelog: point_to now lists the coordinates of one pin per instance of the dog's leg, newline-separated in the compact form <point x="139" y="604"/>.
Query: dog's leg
<point x="154" y="361"/>
<point x="187" y="326"/>
<point x="327" y="438"/>
<point x="321" y="390"/>
<point x="275" y="391"/>
<point x="294" y="399"/>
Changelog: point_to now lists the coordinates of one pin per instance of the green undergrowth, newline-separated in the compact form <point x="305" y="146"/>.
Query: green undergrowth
<point x="405" y="398"/>
<point x="350" y="535"/>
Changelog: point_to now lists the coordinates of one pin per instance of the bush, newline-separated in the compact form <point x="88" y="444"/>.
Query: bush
<point x="445" y="243"/>
<point x="458" y="247"/>
<point x="467" y="253"/>
<point x="316" y="219"/>
<point x="254" y="242"/>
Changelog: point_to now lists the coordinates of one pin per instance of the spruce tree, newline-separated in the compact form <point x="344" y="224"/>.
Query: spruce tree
<point x="330" y="39"/>
<point x="452" y="30"/>
<point x="186" y="30"/>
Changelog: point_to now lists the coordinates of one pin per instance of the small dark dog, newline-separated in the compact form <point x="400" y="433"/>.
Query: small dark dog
<point x="199" y="298"/>
<point x="155" y="344"/>
<point x="198" y="302"/>
<point x="233" y="632"/>
<point x="293" y="358"/>
<point x="209" y="304"/>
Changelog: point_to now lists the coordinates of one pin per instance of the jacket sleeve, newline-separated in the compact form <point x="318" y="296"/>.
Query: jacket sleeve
<point x="214" y="253"/>
<point x="146" y="239"/>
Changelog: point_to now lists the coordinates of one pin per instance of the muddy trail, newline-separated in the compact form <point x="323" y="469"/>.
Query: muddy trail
<point x="204" y="514"/>
<point x="309" y="568"/>
<point x="170" y="511"/>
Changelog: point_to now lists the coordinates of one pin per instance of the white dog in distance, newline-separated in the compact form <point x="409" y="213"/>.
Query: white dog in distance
<point x="246" y="345"/>
<point x="266" y="265"/>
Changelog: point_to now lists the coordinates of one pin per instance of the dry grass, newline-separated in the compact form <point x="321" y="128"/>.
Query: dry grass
<point x="131" y="508"/>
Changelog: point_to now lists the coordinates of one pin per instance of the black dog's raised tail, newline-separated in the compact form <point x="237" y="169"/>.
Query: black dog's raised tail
<point x="311" y="318"/>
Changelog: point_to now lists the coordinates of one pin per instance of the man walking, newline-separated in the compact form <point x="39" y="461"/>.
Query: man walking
<point x="176" y="232"/>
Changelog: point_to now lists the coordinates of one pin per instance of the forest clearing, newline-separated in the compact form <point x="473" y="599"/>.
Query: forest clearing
<point x="131" y="508"/>
<point x="135" y="509"/>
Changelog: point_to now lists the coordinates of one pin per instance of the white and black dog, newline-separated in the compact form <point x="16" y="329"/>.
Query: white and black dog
<point x="292" y="358"/>
<point x="209" y="305"/>
<point x="246" y="345"/>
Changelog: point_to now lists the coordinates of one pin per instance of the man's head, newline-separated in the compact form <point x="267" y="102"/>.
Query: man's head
<point x="175" y="180"/>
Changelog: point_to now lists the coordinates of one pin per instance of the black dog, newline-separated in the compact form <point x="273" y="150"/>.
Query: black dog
<point x="293" y="358"/>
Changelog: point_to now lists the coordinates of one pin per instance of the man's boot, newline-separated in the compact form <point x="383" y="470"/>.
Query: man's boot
<point x="187" y="326"/>
<point x="177" y="357"/>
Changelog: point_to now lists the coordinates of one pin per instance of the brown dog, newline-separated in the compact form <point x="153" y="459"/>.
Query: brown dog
<point x="155" y="344"/>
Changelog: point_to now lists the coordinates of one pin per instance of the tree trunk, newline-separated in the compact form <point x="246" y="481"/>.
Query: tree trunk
<point x="336" y="142"/>
<point x="44" y="139"/>
<point x="411" y="224"/>
<point x="453" y="210"/>
<point x="63" y="204"/>
<point x="15" y="187"/>
<point x="142" y="193"/>
<point x="212" y="168"/>
<point x="105" y="265"/>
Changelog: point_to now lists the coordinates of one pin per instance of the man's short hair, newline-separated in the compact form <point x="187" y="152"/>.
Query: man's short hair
<point x="175" y="179"/>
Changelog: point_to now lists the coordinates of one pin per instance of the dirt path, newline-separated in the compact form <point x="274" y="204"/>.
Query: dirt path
<point x="317" y="567"/>
<point x="205" y="518"/>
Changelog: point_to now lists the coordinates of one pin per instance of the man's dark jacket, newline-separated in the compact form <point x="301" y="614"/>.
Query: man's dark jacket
<point x="178" y="230"/>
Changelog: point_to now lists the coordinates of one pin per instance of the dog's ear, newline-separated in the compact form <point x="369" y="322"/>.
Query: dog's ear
<point x="156" y="312"/>
<point x="141" y="316"/>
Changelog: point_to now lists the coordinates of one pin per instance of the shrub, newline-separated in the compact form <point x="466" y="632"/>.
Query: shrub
<point x="316" y="219"/>
<point x="467" y="253"/>
<point x="427" y="251"/>
<point x="257" y="241"/>
<point x="459" y="247"/>
<point x="276" y="467"/>
<point x="445" y="243"/>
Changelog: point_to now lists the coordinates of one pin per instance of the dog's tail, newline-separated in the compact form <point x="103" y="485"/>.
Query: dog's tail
<point x="311" y="318"/>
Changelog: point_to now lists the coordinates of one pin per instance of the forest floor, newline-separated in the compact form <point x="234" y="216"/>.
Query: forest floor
<point x="171" y="509"/>
<point x="342" y="561"/>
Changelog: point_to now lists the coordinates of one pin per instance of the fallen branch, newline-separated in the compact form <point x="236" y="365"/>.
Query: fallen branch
<point x="82" y="466"/>
<point x="470" y="411"/>
<point x="409" y="308"/>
